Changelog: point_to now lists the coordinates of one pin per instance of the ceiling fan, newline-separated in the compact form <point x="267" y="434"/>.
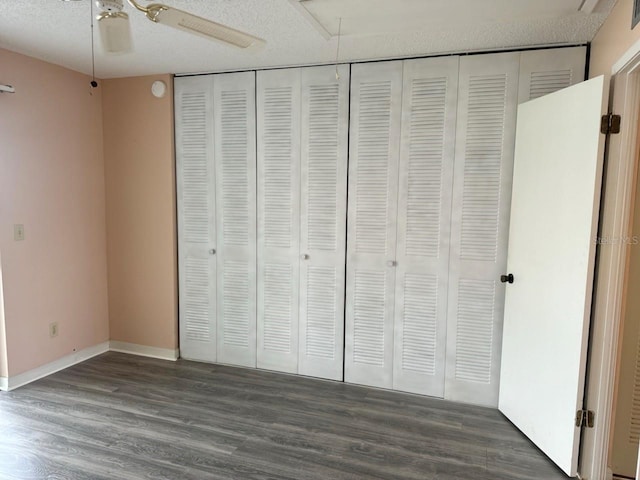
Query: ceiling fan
<point x="115" y="30"/>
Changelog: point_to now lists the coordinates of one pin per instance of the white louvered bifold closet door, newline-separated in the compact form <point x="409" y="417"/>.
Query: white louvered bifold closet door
<point x="424" y="214"/>
<point x="485" y="136"/>
<point x="235" y="160"/>
<point x="546" y="71"/>
<point x="278" y="119"/>
<point x="196" y="217"/>
<point x="323" y="211"/>
<point x="376" y="104"/>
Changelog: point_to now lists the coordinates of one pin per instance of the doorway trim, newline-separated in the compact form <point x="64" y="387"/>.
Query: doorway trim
<point x="616" y="211"/>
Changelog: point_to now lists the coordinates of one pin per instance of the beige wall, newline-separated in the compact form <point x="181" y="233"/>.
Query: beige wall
<point x="613" y="40"/>
<point x="141" y="222"/>
<point x="52" y="181"/>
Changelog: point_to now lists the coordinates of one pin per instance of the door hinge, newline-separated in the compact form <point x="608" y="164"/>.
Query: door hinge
<point x="585" y="418"/>
<point x="610" y="124"/>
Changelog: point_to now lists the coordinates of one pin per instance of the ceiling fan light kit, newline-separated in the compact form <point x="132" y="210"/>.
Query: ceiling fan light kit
<point x="116" y="35"/>
<point x="115" y="32"/>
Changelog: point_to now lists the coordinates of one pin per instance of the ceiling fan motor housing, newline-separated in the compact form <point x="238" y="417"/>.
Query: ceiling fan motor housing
<point x="110" y="6"/>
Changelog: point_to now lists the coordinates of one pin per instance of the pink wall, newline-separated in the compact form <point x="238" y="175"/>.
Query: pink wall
<point x="613" y="40"/>
<point x="141" y="222"/>
<point x="52" y="181"/>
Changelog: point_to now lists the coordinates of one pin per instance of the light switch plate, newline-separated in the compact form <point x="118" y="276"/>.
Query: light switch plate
<point x="18" y="232"/>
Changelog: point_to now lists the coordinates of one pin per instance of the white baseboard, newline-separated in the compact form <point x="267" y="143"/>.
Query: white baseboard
<point x="144" y="351"/>
<point x="11" y="383"/>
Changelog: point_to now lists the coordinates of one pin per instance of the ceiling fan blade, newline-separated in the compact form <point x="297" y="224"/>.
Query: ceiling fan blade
<point x="115" y="32"/>
<point x="190" y="23"/>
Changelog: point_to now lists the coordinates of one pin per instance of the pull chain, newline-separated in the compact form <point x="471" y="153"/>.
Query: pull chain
<point x="93" y="83"/>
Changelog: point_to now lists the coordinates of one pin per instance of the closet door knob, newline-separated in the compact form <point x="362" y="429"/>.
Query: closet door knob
<point x="212" y="251"/>
<point x="305" y="256"/>
<point x="392" y="263"/>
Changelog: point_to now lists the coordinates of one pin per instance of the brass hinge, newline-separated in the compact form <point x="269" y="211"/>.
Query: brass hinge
<point x="585" y="418"/>
<point x="610" y="124"/>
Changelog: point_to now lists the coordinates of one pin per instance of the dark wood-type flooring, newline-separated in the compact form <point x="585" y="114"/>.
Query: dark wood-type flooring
<point x="125" y="417"/>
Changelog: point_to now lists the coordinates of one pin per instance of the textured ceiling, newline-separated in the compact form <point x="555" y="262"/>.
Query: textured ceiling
<point x="59" y="32"/>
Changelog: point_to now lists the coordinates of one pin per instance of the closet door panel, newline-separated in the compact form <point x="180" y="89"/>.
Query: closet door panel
<point x="323" y="204"/>
<point x="488" y="97"/>
<point x="376" y="103"/>
<point x="196" y="217"/>
<point x="278" y="123"/>
<point x="235" y="154"/>
<point x="430" y="95"/>
<point x="546" y="71"/>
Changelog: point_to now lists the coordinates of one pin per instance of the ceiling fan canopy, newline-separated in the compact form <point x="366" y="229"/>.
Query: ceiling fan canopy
<point x="115" y="30"/>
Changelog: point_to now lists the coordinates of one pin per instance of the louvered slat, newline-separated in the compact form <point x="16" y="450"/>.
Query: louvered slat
<point x="426" y="158"/>
<point x="195" y="199"/>
<point x="474" y="339"/>
<point x="372" y="200"/>
<point x="369" y="318"/>
<point x="544" y="83"/>
<point x="482" y="167"/>
<point x="235" y="306"/>
<point x="278" y="141"/>
<point x="634" y="424"/>
<point x="196" y="300"/>
<point x="419" y="335"/>
<point x="235" y="178"/>
<point x="323" y="184"/>
<point x="321" y="309"/>
<point x="543" y="72"/>
<point x="278" y="315"/>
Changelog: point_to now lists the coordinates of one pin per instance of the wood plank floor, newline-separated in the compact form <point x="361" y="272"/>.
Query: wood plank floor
<point x="125" y="417"/>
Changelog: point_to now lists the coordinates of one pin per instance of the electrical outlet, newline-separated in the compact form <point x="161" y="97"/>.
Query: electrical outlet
<point x="18" y="232"/>
<point x="53" y="329"/>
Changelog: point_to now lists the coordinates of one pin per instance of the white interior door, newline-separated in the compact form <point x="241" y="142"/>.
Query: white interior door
<point x="376" y="108"/>
<point x="278" y="122"/>
<point x="323" y="212"/>
<point x="430" y="99"/>
<point x="235" y="163"/>
<point x="554" y="215"/>
<point x="196" y="217"/>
